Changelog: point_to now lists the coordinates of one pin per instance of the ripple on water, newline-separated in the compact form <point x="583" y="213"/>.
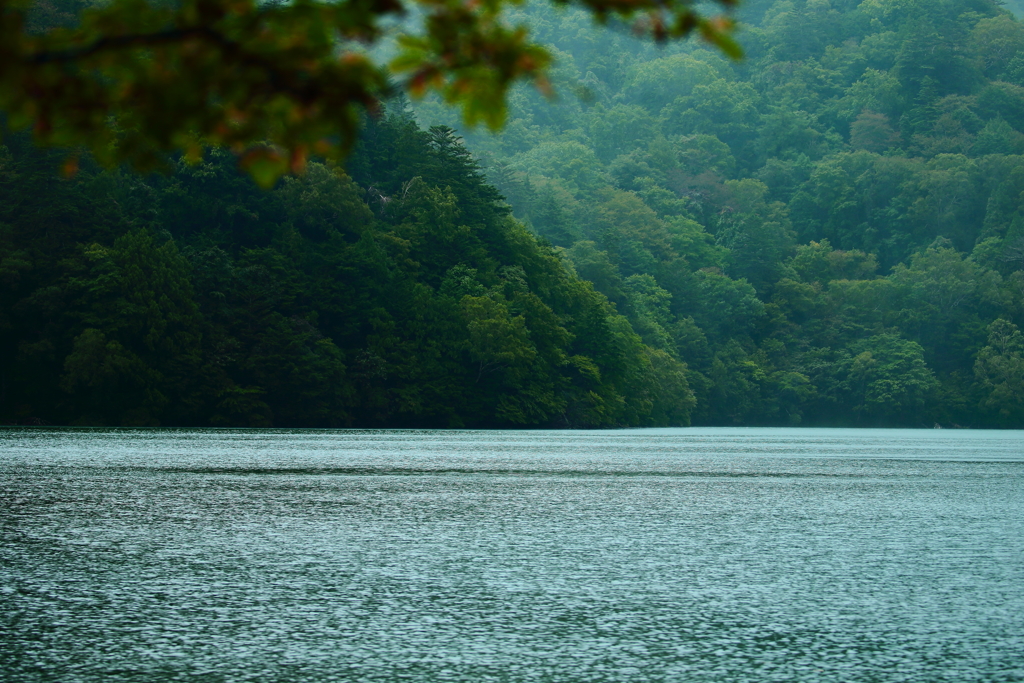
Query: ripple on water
<point x="644" y="555"/>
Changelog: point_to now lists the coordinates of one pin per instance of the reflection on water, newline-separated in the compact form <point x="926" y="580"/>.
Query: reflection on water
<point x="648" y="555"/>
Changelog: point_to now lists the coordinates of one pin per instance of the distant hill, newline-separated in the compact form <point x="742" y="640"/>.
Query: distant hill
<point x="830" y="231"/>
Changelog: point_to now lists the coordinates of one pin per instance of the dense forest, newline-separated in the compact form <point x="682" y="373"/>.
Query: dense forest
<point x="827" y="232"/>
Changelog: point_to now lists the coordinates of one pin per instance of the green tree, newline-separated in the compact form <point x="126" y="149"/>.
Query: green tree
<point x="135" y="79"/>
<point x="139" y="358"/>
<point x="649" y="310"/>
<point x="819" y="262"/>
<point x="996" y="41"/>
<point x="759" y="235"/>
<point x="887" y="381"/>
<point x="497" y="341"/>
<point x="872" y="132"/>
<point x="940" y="300"/>
<point x="741" y="390"/>
<point x="999" y="372"/>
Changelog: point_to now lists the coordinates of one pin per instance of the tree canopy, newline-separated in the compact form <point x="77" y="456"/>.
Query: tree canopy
<point x="804" y="227"/>
<point x="131" y="80"/>
<point x="828" y="232"/>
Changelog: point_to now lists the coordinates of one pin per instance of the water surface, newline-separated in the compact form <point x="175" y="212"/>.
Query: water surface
<point x="644" y="555"/>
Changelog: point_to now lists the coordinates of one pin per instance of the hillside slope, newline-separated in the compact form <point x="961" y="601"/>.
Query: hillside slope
<point x="827" y="232"/>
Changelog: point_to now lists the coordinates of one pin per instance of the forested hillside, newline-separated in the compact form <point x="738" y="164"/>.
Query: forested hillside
<point x="402" y="295"/>
<point x="828" y="232"/>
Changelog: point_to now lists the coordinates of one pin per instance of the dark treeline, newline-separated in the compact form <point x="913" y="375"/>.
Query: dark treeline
<point x="403" y="294"/>
<point x="830" y="232"/>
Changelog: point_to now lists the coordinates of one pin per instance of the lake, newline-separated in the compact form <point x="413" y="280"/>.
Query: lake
<point x="637" y="555"/>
